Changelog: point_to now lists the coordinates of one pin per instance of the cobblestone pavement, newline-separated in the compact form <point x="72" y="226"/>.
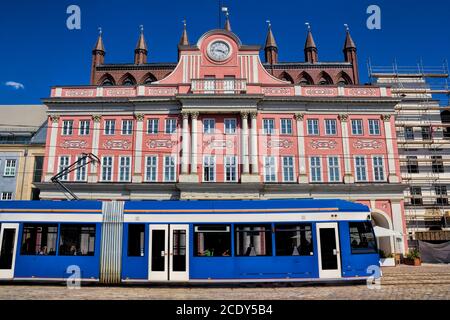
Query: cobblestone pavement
<point x="401" y="282"/>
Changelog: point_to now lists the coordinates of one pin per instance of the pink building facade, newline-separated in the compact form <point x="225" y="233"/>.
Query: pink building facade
<point x="222" y="126"/>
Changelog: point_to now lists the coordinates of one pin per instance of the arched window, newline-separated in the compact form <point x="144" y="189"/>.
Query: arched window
<point x="286" y="77"/>
<point x="324" y="79"/>
<point x="128" y="82"/>
<point x="304" y="79"/>
<point x="148" y="78"/>
<point x="344" y="79"/>
<point x="107" y="82"/>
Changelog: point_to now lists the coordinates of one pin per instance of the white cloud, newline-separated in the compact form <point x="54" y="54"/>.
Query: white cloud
<point x="15" y="85"/>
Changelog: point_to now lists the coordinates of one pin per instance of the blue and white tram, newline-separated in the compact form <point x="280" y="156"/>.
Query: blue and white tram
<point x="186" y="241"/>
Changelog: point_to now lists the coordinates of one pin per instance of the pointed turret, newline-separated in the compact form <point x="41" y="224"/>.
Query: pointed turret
<point x="184" y="41"/>
<point x="140" y="53"/>
<point x="227" y="22"/>
<point x="350" y="54"/>
<point x="98" y="54"/>
<point x="271" y="48"/>
<point x="311" y="55"/>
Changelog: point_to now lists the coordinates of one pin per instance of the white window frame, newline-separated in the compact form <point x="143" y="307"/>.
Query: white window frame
<point x="151" y="125"/>
<point x="338" y="167"/>
<point x="311" y="167"/>
<point x="122" y="167"/>
<point x="10" y="170"/>
<point x="127" y="127"/>
<point x="111" y="167"/>
<point x="327" y="132"/>
<point x="227" y="128"/>
<point x="170" y="126"/>
<point x="67" y="129"/>
<point x="382" y="166"/>
<point x="356" y="169"/>
<point x="269" y="130"/>
<point x="355" y="133"/>
<point x="273" y="167"/>
<point x="372" y="127"/>
<point x="62" y="167"/>
<point x="174" y="166"/>
<point x="291" y="167"/>
<point x="83" y="170"/>
<point x="147" y="166"/>
<point x="312" y="126"/>
<point x="6" y="196"/>
<point x="230" y="165"/>
<point x="285" y="128"/>
<point x="213" y="166"/>
<point x="110" y="130"/>
<point x="84" y="127"/>
<point x="207" y="129"/>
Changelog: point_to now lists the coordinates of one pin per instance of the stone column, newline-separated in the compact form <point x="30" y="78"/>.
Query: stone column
<point x="254" y="143"/>
<point x="93" y="174"/>
<point x="302" y="174"/>
<point x="137" y="176"/>
<point x="244" y="143"/>
<point x="185" y="144"/>
<point x="51" y="160"/>
<point x="348" y="176"/>
<point x="392" y="176"/>
<point x="194" y="151"/>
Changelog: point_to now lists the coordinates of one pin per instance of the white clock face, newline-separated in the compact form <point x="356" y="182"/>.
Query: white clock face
<point x="219" y="50"/>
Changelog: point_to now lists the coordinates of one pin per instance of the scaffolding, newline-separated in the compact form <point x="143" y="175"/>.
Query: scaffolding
<point x="426" y="90"/>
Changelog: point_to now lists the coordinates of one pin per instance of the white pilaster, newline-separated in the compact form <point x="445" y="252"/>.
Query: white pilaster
<point x="185" y="144"/>
<point x="194" y="151"/>
<point x="52" y="148"/>
<point x="397" y="224"/>
<point x="244" y="143"/>
<point x="93" y="177"/>
<point x="302" y="175"/>
<point x="392" y="177"/>
<point x="137" y="176"/>
<point x="348" y="176"/>
<point x="254" y="143"/>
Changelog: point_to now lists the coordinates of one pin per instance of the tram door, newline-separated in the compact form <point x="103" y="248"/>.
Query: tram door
<point x="8" y="246"/>
<point x="328" y="248"/>
<point x="169" y="252"/>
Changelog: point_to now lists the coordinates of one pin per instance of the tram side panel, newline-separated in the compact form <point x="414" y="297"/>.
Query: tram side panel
<point x="65" y="260"/>
<point x="356" y="259"/>
<point x="135" y="251"/>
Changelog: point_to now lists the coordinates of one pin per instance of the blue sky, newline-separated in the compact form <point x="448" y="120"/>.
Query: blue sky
<point x="38" y="51"/>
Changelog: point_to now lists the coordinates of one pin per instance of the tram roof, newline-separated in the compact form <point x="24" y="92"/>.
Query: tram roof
<point x="167" y="206"/>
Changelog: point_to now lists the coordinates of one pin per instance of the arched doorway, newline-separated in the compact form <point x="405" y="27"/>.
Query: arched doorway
<point x="381" y="219"/>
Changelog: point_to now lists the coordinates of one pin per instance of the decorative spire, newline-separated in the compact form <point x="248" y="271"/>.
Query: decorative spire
<point x="270" y="48"/>
<point x="309" y="38"/>
<point x="184" y="41"/>
<point x="141" y="45"/>
<point x="99" y="45"/>
<point x="140" y="53"/>
<point x="227" y="19"/>
<point x="349" y="43"/>
<point x="270" y="39"/>
<point x="310" y="47"/>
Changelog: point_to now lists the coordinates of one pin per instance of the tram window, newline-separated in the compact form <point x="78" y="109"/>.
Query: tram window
<point x="39" y="239"/>
<point x="136" y="234"/>
<point x="362" y="238"/>
<point x="77" y="240"/>
<point x="212" y="241"/>
<point x="293" y="240"/>
<point x="253" y="240"/>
